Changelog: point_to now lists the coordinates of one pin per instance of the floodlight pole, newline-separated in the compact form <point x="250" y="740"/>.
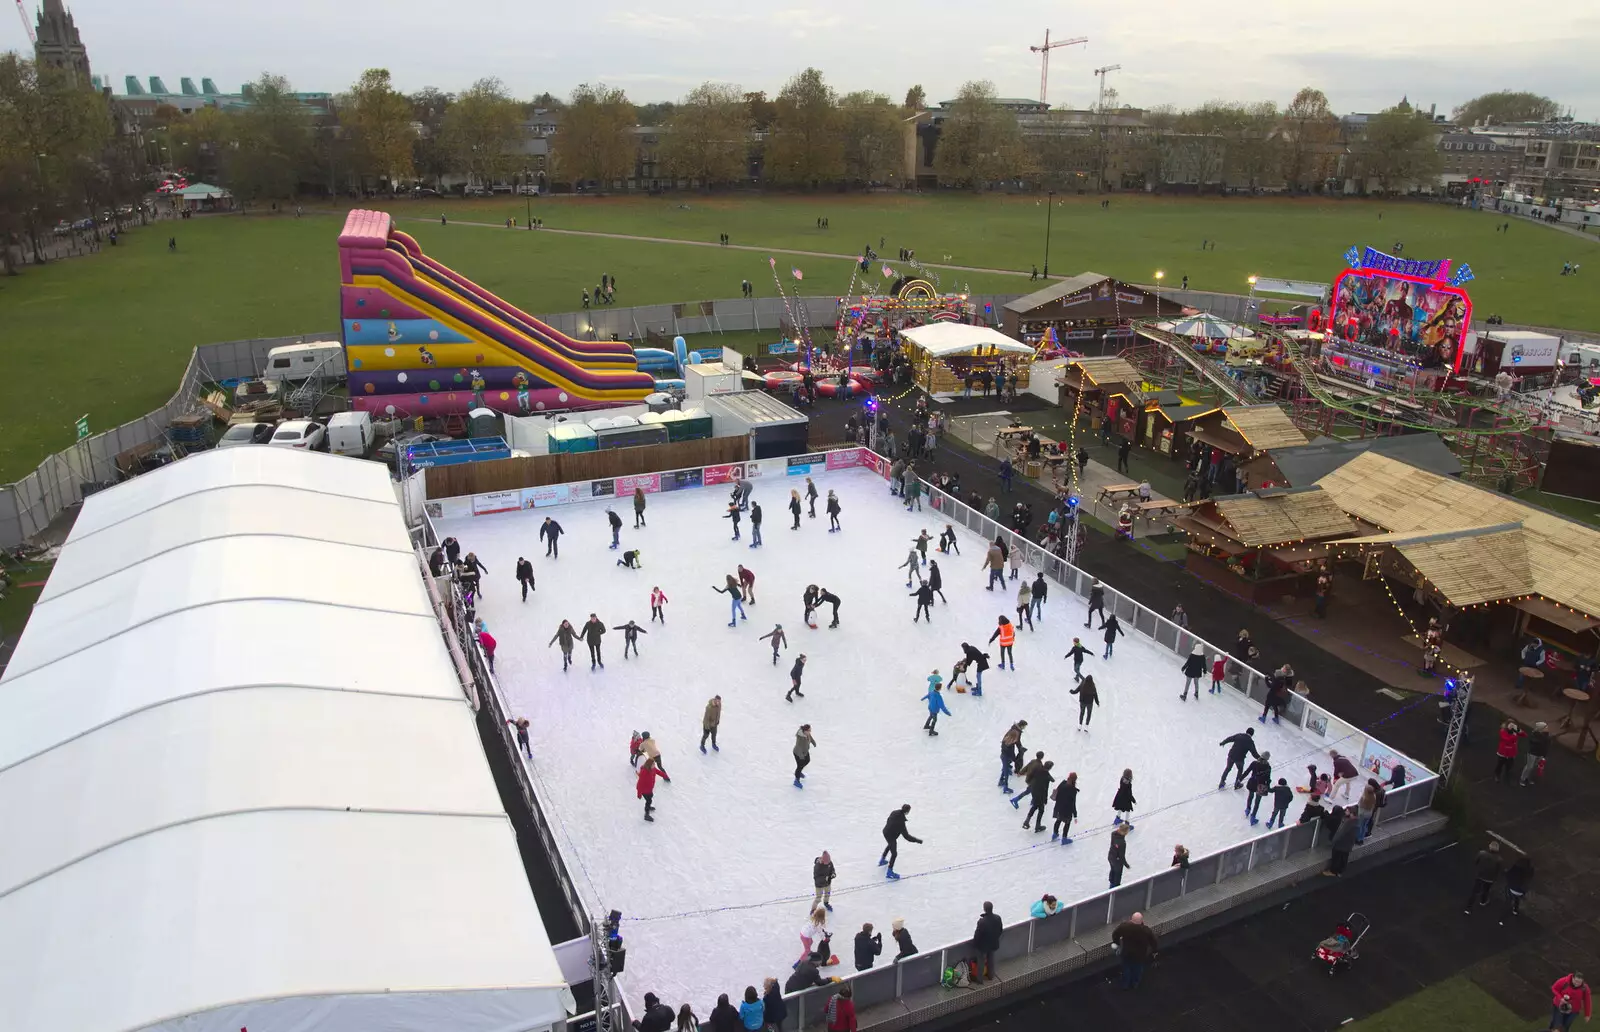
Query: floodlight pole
<point x="1459" y="700"/>
<point x="1050" y="203"/>
<point x="605" y="986"/>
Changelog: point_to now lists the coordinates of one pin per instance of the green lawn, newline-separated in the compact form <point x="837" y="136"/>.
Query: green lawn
<point x="109" y="334"/>
<point x="1454" y="1005"/>
<point x="1572" y="508"/>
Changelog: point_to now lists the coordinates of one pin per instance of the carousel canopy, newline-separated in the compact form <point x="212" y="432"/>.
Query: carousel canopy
<point x="1204" y="325"/>
<point x="944" y="339"/>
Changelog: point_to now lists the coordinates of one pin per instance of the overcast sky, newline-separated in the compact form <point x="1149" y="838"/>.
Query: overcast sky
<point x="1364" y="54"/>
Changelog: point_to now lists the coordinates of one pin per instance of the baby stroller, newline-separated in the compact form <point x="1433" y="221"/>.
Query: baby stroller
<point x="1340" y="948"/>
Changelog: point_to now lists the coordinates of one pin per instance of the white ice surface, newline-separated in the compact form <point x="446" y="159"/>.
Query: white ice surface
<point x="715" y="891"/>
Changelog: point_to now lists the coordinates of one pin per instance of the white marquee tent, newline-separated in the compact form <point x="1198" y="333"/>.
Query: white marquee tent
<point x="240" y="784"/>
<point x="943" y="339"/>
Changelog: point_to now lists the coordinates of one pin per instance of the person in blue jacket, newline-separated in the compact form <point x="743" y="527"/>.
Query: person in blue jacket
<point x="751" y="1011"/>
<point x="936" y="706"/>
<point x="1045" y="906"/>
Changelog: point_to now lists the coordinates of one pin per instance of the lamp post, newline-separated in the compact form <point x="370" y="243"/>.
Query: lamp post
<point x="1050" y="203"/>
<point x="527" y="196"/>
<point x="1159" y="277"/>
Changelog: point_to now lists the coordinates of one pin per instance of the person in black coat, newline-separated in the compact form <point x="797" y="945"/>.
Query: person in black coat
<point x="436" y="562"/>
<point x="657" y="1017"/>
<point x="452" y="548"/>
<point x="1112" y="628"/>
<point x="1066" y="809"/>
<point x="894" y="829"/>
<point x="935" y="581"/>
<point x="1123" y="802"/>
<point x="1087" y="695"/>
<point x="924" y="597"/>
<point x="1039" y="789"/>
<point x="616" y="526"/>
<point x="1117" y="855"/>
<point x="725" y="1017"/>
<point x="525" y="576"/>
<point x="1239" y="746"/>
<point x="977" y="661"/>
<point x="868" y="945"/>
<point x="590" y="633"/>
<point x="1097" y="604"/>
<point x="805" y="976"/>
<point x="1194" y="667"/>
<point x="986" y="940"/>
<point x="550" y="532"/>
<point x="902" y="939"/>
<point x="773" y="1010"/>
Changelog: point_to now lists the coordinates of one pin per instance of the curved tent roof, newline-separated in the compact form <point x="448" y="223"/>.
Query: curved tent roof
<point x="240" y="781"/>
<point x="951" y="338"/>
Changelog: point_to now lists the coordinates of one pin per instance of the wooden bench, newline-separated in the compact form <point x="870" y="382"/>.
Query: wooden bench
<point x="1113" y="493"/>
<point x="1159" y="507"/>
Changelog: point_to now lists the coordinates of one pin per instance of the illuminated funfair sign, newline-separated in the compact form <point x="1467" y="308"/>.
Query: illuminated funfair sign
<point x="1394" y="311"/>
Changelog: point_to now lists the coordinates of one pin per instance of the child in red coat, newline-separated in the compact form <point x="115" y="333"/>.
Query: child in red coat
<point x="645" y="787"/>
<point x="1219" y="670"/>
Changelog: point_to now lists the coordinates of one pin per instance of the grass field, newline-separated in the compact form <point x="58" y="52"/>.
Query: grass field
<point x="109" y="334"/>
<point x="1454" y="1005"/>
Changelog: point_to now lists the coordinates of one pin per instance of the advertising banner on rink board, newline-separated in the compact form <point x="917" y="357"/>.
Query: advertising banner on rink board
<point x="496" y="501"/>
<point x="845" y="458"/>
<point x="875" y="462"/>
<point x="800" y="465"/>
<point x="715" y="475"/>
<point x="602" y="488"/>
<point x="649" y="483"/>
<point x="549" y="494"/>
<point x="680" y="479"/>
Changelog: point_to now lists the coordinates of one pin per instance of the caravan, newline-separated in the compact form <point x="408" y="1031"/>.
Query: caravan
<point x="297" y="362"/>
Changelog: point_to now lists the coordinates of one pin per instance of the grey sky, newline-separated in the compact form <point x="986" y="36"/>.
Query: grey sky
<point x="1364" y="54"/>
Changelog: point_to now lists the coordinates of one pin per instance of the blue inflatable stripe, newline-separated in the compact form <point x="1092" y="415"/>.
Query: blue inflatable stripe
<point x="401" y="331"/>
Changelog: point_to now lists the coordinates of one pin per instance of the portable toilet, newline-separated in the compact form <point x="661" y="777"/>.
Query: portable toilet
<point x="569" y="438"/>
<point x="483" y="422"/>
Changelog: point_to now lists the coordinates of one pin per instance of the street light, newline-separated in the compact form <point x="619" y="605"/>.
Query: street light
<point x="1159" y="277"/>
<point x="1050" y="203"/>
<point x="527" y="195"/>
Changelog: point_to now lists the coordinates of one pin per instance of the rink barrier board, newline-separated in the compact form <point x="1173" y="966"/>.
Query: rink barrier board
<point x="1092" y="916"/>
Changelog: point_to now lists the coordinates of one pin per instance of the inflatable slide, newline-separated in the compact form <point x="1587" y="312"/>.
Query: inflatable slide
<point x="421" y="339"/>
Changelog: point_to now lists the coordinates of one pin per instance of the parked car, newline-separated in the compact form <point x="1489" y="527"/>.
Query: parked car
<point x="240" y="434"/>
<point x="84" y="224"/>
<point x="301" y="433"/>
<point x="350" y="433"/>
<point x="62" y="228"/>
<point x="474" y="191"/>
<point x="424" y="191"/>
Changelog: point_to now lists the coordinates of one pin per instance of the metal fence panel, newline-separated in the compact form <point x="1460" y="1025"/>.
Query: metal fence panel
<point x="1052" y="930"/>
<point x="1270" y="848"/>
<point x="1235" y="861"/>
<point x="1091" y="913"/>
<point x="920" y="972"/>
<point x="1167" y="885"/>
<point x="874" y="986"/>
<point x="1127" y="901"/>
<point x="1300" y="838"/>
<point x="1204" y="870"/>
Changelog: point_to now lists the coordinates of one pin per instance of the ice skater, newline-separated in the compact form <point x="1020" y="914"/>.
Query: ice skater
<point x="735" y="601"/>
<point x="1014" y="559"/>
<point x="1117" y="855"/>
<point x="911" y="565"/>
<point x="638" y="507"/>
<point x="1344" y="774"/>
<point x="895" y="829"/>
<point x="1039" y="790"/>
<point x="1282" y="796"/>
<point x="924" y="597"/>
<point x="994" y="560"/>
<point x="755" y="524"/>
<point x="947" y="540"/>
<point x="794" y="509"/>
<point x="803" y="741"/>
<point x="658" y="602"/>
<point x="978" y="662"/>
<point x="550" y="532"/>
<point x="1257" y="783"/>
<point x="1006" y="631"/>
<point x="616" y="526"/>
<point x="630" y="637"/>
<point x="920" y="543"/>
<point x="630" y="560"/>
<point x="1041" y="590"/>
<point x="809" y="600"/>
<point x="710" y="720"/>
<point x="1112" y="628"/>
<point x="833" y="512"/>
<point x="822" y="875"/>
<point x="1193" y="666"/>
<point x="1010" y="753"/>
<point x="520" y="726"/>
<point x="747" y="584"/>
<point x="1219" y="671"/>
<point x="829" y="598"/>
<point x="1097" y="603"/>
<point x="566" y="636"/>
<point x="647" y="748"/>
<point x="1277" y="694"/>
<point x="1123" y="802"/>
<point x="1025" y="604"/>
<point x="645" y="787"/>
<point x="1076" y="654"/>
<point x="1065" y="810"/>
<point x="936" y="580"/>
<point x="779" y="641"/>
<point x="1239" y="746"/>
<point x="735" y="515"/>
<point x="525" y="576"/>
<point x="1025" y="772"/>
<point x="741" y="492"/>
<point x="796" y="672"/>
<point x="591" y="632"/>
<point x="936" y="706"/>
<point x="811" y="498"/>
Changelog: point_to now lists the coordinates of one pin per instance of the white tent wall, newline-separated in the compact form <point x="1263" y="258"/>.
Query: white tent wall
<point x="242" y="782"/>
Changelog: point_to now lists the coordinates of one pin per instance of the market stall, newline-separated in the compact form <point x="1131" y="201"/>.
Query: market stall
<point x="944" y="354"/>
<point x="1265" y="545"/>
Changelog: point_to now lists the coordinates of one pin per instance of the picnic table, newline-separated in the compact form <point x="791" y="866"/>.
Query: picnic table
<point x="1151" y="509"/>
<point x="1114" y="493"/>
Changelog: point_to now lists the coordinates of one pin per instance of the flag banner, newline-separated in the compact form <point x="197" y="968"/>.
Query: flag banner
<point x="797" y="273"/>
<point x="888" y="273"/>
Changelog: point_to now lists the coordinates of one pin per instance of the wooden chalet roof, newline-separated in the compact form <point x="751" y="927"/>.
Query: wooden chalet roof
<point x="1420" y="509"/>
<point x="1108" y="369"/>
<point x="1264" y="426"/>
<point x="1278" y="516"/>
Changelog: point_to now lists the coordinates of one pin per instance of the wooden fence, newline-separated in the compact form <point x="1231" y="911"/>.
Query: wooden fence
<point x="537" y="470"/>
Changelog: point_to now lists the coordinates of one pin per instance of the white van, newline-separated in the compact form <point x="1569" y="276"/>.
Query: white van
<point x="351" y="433"/>
<point x="302" y="361"/>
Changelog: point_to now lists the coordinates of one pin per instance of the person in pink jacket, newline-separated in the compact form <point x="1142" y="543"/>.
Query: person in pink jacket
<point x="1569" y="997"/>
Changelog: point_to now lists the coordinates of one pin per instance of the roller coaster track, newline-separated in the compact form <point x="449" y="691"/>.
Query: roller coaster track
<point x="1184" y="350"/>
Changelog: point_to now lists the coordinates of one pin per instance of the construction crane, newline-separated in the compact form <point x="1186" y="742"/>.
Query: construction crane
<point x="1044" y="60"/>
<point x="26" y="24"/>
<point x="1100" y="73"/>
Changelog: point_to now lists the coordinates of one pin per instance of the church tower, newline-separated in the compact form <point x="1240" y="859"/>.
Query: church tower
<point x="59" y="45"/>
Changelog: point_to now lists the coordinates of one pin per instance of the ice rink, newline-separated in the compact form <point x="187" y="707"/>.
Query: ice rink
<point x="715" y="891"/>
